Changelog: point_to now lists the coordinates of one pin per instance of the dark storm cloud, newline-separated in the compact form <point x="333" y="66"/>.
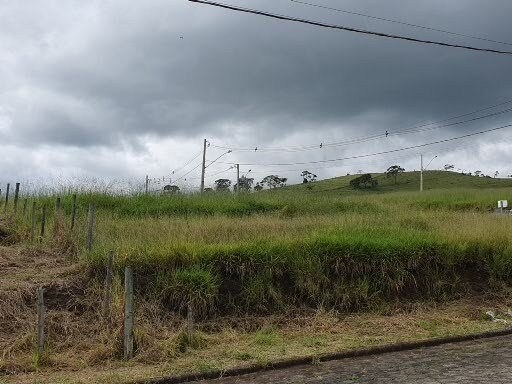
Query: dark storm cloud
<point x="109" y="73"/>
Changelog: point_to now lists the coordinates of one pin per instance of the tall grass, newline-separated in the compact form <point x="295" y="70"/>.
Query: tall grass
<point x="267" y="251"/>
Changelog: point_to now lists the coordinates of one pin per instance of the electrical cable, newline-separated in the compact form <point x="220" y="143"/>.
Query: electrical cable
<point x="193" y="169"/>
<point x="379" y="153"/>
<point x="406" y="131"/>
<point x="399" y="22"/>
<point x="349" y="29"/>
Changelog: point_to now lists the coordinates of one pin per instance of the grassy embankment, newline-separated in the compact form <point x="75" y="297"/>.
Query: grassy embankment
<point x="328" y="246"/>
<point x="302" y="258"/>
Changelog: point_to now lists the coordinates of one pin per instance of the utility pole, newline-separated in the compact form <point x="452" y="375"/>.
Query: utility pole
<point x="147" y="184"/>
<point x="238" y="178"/>
<point x="203" y="169"/>
<point x="421" y="174"/>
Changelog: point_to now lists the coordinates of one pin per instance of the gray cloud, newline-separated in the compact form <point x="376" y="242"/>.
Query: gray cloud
<point x="118" y="75"/>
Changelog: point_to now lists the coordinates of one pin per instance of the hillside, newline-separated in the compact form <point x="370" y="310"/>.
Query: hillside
<point x="408" y="181"/>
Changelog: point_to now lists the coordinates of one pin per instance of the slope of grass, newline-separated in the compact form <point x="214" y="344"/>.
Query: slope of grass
<point x="407" y="181"/>
<point x="326" y="248"/>
<point x="443" y="190"/>
<point x="299" y="246"/>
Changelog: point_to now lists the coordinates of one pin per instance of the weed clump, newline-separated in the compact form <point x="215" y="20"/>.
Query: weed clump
<point x="194" y="286"/>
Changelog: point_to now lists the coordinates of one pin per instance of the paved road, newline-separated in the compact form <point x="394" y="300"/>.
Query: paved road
<point x="483" y="361"/>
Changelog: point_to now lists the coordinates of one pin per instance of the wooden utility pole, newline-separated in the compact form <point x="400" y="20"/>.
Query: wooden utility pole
<point x="147" y="184"/>
<point x="203" y="168"/>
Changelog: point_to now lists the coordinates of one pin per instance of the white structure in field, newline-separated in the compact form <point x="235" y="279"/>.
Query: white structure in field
<point x="503" y="204"/>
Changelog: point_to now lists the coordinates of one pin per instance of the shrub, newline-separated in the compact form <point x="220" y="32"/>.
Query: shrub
<point x="364" y="181"/>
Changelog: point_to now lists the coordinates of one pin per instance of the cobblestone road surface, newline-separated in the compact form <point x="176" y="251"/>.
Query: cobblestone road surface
<point x="482" y="361"/>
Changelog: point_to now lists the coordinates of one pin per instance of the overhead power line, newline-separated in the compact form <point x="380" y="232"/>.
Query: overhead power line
<point x="187" y="163"/>
<point x="343" y="28"/>
<point x="189" y="172"/>
<point x="399" y="22"/>
<point x="380" y="153"/>
<point x="209" y="176"/>
<point x="363" y="139"/>
<point x="374" y="160"/>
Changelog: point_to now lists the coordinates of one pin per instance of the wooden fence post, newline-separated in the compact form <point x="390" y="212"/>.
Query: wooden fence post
<point x="25" y="202"/>
<point x="7" y="196"/>
<point x="43" y="223"/>
<point x="108" y="285"/>
<point x="40" y="322"/>
<point x="58" y="216"/>
<point x="90" y="228"/>
<point x="73" y="211"/>
<point x="128" y="313"/>
<point x="190" y="324"/>
<point x="34" y="220"/>
<point x="58" y="205"/>
<point x="16" y="197"/>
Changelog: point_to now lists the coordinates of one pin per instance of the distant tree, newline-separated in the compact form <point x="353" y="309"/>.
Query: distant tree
<point x="208" y="190"/>
<point x="172" y="189"/>
<point x="258" y="187"/>
<point x="448" y="167"/>
<point x="222" y="185"/>
<point x="245" y="184"/>
<point x="274" y="181"/>
<point x="478" y="173"/>
<point x="308" y="177"/>
<point x="394" y="171"/>
<point x="496" y="174"/>
<point x="363" y="182"/>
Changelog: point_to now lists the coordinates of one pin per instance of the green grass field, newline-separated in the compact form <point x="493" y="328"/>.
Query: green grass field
<point x="326" y="246"/>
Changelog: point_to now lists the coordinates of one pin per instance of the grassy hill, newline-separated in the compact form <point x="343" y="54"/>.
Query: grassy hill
<point x="408" y="181"/>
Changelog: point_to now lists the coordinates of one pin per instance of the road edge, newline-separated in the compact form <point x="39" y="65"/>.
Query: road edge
<point x="288" y="363"/>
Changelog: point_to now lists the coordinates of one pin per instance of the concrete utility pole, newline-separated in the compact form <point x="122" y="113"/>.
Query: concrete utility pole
<point x="203" y="169"/>
<point x="421" y="174"/>
<point x="238" y="178"/>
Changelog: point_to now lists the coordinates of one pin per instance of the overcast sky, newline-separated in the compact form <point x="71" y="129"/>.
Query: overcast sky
<point x="120" y="89"/>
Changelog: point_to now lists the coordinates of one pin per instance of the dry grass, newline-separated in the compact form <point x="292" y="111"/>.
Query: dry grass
<point x="235" y="342"/>
<point x="83" y="348"/>
<point x="371" y="245"/>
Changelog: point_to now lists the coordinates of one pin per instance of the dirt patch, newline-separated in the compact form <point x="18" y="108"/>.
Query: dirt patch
<point x="20" y="267"/>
